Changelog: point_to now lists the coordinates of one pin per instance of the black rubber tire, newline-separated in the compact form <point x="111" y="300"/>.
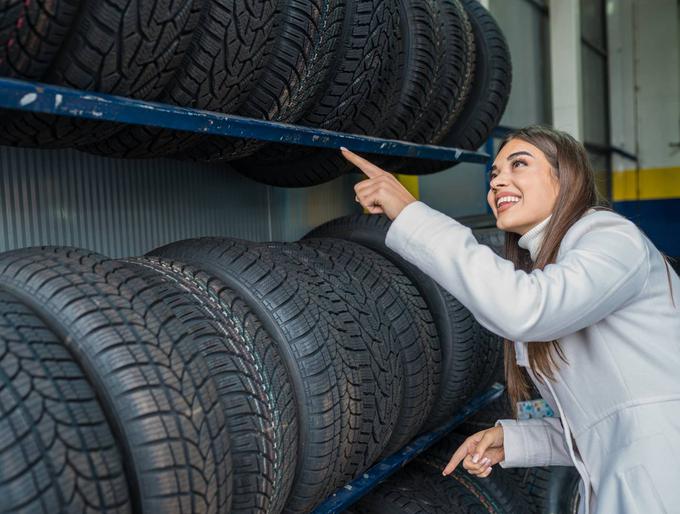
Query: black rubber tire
<point x="292" y="305"/>
<point x="31" y="34"/>
<point x="492" y="237"/>
<point x="491" y="84"/>
<point x="148" y="372"/>
<point x="553" y="489"/>
<point x="57" y="452"/>
<point x="489" y="365"/>
<point x="218" y="73"/>
<point x="420" y="488"/>
<point x="457" y="55"/>
<point x="487" y="417"/>
<point x="393" y="303"/>
<point x="252" y="381"/>
<point x="489" y="92"/>
<point x="441" y="99"/>
<point x="461" y="338"/>
<point x="419" y="66"/>
<point x="500" y="486"/>
<point x="354" y="98"/>
<point x="369" y="336"/>
<point x="298" y="58"/>
<point x="435" y="74"/>
<point x="122" y="47"/>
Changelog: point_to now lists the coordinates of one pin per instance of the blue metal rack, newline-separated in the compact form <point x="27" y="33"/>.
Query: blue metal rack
<point x="49" y="99"/>
<point x="61" y="101"/>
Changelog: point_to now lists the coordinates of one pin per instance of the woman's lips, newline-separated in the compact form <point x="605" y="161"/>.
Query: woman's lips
<point x="505" y="206"/>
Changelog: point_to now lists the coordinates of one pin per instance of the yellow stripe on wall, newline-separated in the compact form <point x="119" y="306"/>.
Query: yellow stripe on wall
<point x="650" y="184"/>
<point x="410" y="182"/>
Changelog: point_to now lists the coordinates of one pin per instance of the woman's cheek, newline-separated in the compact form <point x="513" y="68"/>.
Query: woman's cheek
<point x="490" y="201"/>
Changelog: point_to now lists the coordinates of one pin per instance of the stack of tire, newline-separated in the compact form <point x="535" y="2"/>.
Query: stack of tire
<point x="427" y="71"/>
<point x="221" y="375"/>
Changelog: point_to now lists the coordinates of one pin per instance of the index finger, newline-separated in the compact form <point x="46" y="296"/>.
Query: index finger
<point x="370" y="169"/>
<point x="456" y="459"/>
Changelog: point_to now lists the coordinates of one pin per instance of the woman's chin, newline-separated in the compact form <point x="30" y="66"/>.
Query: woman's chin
<point x="507" y="223"/>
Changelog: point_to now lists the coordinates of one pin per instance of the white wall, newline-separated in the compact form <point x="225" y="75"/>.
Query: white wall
<point x="644" y="70"/>
<point x="526" y="29"/>
<point x="644" y="49"/>
<point x="658" y="82"/>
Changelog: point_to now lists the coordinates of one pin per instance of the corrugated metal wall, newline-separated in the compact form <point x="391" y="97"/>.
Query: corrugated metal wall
<point x="127" y="207"/>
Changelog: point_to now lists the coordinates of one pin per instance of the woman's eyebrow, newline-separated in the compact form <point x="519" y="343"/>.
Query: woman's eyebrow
<point x="522" y="152"/>
<point x="519" y="153"/>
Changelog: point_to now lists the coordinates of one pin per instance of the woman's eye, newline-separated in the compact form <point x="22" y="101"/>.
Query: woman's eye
<point x="518" y="161"/>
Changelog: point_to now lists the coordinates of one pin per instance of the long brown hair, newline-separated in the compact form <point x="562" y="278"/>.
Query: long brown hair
<point x="577" y="193"/>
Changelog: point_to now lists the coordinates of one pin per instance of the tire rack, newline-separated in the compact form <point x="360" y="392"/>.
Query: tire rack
<point x="49" y="99"/>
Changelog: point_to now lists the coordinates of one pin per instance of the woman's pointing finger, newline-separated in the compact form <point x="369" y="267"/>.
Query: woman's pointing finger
<point x="370" y="169"/>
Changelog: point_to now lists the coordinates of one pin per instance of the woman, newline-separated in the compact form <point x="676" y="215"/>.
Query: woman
<point x="585" y="303"/>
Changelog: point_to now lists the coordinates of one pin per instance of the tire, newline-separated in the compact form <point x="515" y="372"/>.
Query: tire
<point x="478" y="221"/>
<point x="419" y="66"/>
<point x="458" y="340"/>
<point x="491" y="83"/>
<point x="121" y="47"/>
<point x="218" y="73"/>
<point x="148" y="372"/>
<point x="290" y="302"/>
<point x="436" y="74"/>
<point x="298" y="59"/>
<point x="456" y="73"/>
<point x="553" y="489"/>
<point x="486" y="418"/>
<point x="375" y="348"/>
<point x="489" y="364"/>
<point x="420" y="488"/>
<point x="492" y="237"/>
<point x="57" y="453"/>
<point x="354" y="98"/>
<point x="443" y="98"/>
<point x="486" y="363"/>
<point x="256" y="394"/>
<point x="489" y="92"/>
<point x="395" y="305"/>
<point x="499" y="488"/>
<point x="31" y="34"/>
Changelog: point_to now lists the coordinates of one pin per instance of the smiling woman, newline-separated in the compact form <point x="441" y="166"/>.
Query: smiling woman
<point x="586" y="304"/>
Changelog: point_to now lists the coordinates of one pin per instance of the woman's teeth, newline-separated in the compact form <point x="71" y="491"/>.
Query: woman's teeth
<point x="506" y="202"/>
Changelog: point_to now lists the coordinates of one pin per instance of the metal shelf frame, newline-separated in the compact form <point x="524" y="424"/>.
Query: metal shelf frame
<point x="62" y="101"/>
<point x="49" y="99"/>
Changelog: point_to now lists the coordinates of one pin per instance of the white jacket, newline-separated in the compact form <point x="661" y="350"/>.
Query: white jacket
<point x="607" y="300"/>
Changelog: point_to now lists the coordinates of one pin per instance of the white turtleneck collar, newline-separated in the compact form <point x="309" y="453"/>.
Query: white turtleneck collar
<point x="533" y="238"/>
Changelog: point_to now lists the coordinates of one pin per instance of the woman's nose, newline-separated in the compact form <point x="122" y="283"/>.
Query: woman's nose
<point x="498" y="181"/>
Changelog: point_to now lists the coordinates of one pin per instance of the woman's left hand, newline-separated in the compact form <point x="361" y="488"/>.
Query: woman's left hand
<point x="382" y="192"/>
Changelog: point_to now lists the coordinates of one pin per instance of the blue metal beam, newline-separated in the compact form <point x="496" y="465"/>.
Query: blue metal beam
<point x="49" y="99"/>
<point x="353" y="491"/>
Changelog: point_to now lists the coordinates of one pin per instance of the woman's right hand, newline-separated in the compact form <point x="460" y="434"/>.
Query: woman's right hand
<point x="479" y="453"/>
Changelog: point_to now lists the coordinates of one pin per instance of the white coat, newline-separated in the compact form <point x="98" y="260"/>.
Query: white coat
<point x="607" y="300"/>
